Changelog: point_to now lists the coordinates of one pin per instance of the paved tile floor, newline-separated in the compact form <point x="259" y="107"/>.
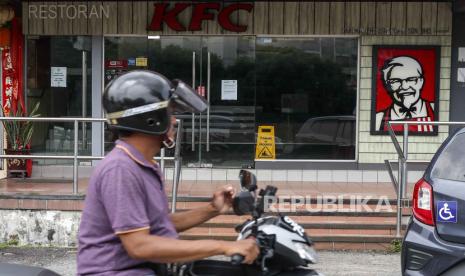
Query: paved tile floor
<point x="204" y="188"/>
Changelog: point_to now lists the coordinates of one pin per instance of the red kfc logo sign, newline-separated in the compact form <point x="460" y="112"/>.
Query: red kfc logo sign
<point x="406" y="87"/>
<point x="200" y="12"/>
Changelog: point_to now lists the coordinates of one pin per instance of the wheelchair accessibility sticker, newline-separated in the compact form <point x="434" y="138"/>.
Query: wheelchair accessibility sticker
<point x="447" y="211"/>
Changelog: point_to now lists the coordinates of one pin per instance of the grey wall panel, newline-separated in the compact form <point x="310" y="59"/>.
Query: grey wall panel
<point x="457" y="90"/>
<point x="368" y="17"/>
<point x="291" y="18"/>
<point x="444" y="21"/>
<point x="65" y="26"/>
<point x="124" y="17"/>
<point x="337" y="15"/>
<point x="35" y="24"/>
<point x="139" y="22"/>
<point x="50" y="22"/>
<point x="24" y="16"/>
<point x="110" y="24"/>
<point x="398" y="18"/>
<point x="383" y="18"/>
<point x="322" y="12"/>
<point x="95" y="24"/>
<point x="274" y="17"/>
<point x="245" y="18"/>
<point x="414" y="21"/>
<point x="261" y="18"/>
<point x="429" y="14"/>
<point x="80" y="23"/>
<point x="352" y="18"/>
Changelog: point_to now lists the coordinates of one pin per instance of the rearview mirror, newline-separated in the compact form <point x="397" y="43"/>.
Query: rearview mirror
<point x="243" y="203"/>
<point x="248" y="180"/>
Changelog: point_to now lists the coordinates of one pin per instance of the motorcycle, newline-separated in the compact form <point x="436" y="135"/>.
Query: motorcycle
<point x="24" y="270"/>
<point x="285" y="248"/>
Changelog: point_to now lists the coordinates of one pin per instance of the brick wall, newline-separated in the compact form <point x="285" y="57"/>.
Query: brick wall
<point x="375" y="149"/>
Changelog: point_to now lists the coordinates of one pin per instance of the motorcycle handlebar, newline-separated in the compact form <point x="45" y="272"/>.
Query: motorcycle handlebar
<point x="237" y="259"/>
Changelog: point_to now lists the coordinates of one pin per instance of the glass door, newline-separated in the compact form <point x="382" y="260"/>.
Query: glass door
<point x="179" y="57"/>
<point x="59" y="78"/>
<point x="221" y="69"/>
<point x="227" y="130"/>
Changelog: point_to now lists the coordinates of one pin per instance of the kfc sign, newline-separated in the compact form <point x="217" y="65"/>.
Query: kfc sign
<point x="406" y="88"/>
<point x="163" y="13"/>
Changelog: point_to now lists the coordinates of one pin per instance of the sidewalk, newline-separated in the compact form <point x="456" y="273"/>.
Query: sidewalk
<point x="17" y="186"/>
<point x="346" y="224"/>
<point x="331" y="263"/>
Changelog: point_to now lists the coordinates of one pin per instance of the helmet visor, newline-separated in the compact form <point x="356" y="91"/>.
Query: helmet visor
<point x="184" y="99"/>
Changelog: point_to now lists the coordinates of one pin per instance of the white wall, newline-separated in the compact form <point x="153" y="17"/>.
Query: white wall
<point x="26" y="227"/>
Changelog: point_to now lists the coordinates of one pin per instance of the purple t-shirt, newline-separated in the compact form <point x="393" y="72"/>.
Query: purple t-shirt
<point x="125" y="194"/>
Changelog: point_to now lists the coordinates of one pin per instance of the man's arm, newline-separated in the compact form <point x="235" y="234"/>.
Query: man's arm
<point x="143" y="246"/>
<point x="221" y="203"/>
<point x="188" y="219"/>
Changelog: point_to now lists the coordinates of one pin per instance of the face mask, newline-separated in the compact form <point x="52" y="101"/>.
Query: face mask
<point x="169" y="143"/>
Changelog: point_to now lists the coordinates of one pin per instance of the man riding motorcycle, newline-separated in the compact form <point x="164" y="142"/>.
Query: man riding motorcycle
<point x="126" y="226"/>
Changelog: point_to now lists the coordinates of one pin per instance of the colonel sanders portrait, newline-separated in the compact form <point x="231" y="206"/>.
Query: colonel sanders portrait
<point x="403" y="78"/>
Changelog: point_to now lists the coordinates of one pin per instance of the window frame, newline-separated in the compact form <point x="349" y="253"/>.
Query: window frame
<point x="357" y="103"/>
<point x="260" y="36"/>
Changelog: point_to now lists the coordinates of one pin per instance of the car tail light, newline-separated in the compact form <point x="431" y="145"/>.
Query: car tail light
<point x="423" y="202"/>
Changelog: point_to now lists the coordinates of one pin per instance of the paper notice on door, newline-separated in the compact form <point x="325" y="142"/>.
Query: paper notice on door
<point x="461" y="54"/>
<point x="229" y="90"/>
<point x="58" y="77"/>
<point x="461" y="75"/>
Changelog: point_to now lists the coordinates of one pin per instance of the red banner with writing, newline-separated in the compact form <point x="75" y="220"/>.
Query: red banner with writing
<point x="12" y="75"/>
<point x="9" y="84"/>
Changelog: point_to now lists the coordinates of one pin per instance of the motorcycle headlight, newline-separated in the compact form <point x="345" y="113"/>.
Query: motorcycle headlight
<point x="306" y="252"/>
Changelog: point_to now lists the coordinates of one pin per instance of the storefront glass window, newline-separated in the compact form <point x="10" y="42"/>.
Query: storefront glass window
<point x="55" y="78"/>
<point x="120" y="54"/>
<point x="206" y="63"/>
<point x="307" y="89"/>
<point x="304" y="87"/>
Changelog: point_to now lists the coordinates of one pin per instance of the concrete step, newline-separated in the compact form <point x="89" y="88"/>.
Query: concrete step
<point x="329" y="225"/>
<point x="345" y="227"/>
<point x="345" y="207"/>
<point x="312" y="232"/>
<point x="331" y="213"/>
<point x="373" y="199"/>
<point x="315" y="219"/>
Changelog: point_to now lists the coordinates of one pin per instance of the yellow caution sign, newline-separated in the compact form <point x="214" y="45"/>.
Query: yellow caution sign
<point x="265" y="148"/>
<point x="141" y="61"/>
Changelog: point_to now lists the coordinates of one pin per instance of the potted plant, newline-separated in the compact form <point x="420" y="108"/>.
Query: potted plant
<point x="18" y="136"/>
